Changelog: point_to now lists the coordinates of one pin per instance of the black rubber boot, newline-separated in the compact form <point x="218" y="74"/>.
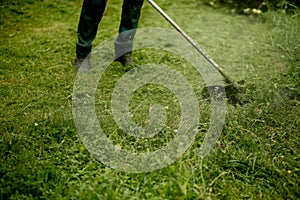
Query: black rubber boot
<point x="82" y="64"/>
<point x="125" y="59"/>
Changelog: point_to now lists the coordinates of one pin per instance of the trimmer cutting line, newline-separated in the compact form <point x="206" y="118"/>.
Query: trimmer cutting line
<point x="228" y="79"/>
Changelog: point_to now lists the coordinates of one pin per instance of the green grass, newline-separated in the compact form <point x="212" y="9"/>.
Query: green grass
<point x="42" y="157"/>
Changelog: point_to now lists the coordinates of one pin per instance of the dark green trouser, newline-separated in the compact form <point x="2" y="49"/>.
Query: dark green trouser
<point x="90" y="17"/>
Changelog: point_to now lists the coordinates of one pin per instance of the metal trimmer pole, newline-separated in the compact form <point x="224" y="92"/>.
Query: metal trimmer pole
<point x="197" y="47"/>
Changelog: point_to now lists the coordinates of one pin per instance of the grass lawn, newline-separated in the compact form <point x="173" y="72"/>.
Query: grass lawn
<point x="256" y="157"/>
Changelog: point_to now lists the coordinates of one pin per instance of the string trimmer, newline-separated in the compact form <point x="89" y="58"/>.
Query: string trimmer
<point x="228" y="79"/>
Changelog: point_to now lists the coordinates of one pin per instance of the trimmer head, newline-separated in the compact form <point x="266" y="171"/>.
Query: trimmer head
<point x="229" y="91"/>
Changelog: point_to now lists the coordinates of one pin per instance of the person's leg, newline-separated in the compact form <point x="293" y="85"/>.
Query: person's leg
<point x="90" y="17"/>
<point x="129" y="22"/>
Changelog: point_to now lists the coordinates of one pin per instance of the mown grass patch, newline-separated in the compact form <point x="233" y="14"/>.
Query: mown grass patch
<point x="256" y="157"/>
